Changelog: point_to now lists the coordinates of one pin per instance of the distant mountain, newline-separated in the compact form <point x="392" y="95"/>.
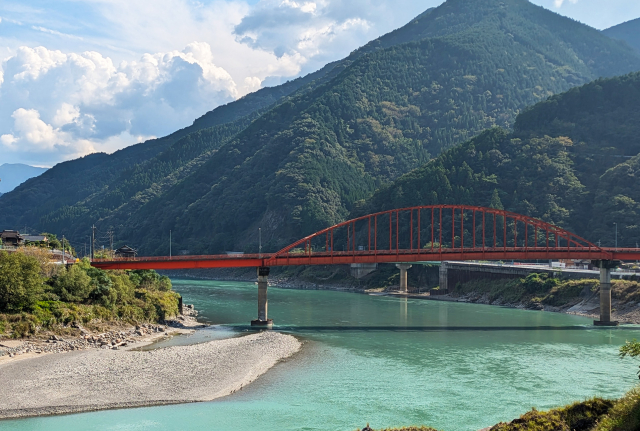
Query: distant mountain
<point x="568" y="161"/>
<point x="300" y="157"/>
<point x="12" y="175"/>
<point x="628" y="31"/>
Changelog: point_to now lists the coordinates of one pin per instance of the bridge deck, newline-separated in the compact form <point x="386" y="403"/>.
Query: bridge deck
<point x="385" y="256"/>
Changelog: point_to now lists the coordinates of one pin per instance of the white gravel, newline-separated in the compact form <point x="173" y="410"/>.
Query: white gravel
<point x="103" y="379"/>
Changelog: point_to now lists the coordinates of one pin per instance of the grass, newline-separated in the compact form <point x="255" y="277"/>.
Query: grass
<point x="625" y="414"/>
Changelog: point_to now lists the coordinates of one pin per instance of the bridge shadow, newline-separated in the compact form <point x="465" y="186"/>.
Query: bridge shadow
<point x="389" y="328"/>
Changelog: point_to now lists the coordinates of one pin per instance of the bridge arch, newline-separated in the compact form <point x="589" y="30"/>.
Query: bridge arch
<point x="437" y="232"/>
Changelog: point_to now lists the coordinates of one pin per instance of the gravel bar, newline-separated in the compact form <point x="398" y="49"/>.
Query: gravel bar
<point x="103" y="379"/>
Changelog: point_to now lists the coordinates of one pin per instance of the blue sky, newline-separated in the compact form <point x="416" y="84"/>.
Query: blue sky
<point x="79" y="76"/>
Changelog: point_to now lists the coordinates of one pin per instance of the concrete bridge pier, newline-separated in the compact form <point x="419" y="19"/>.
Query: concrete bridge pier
<point x="262" y="321"/>
<point x="403" y="267"/>
<point x="605" y="292"/>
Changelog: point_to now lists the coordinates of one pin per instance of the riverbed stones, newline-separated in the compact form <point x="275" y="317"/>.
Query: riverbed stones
<point x="86" y="340"/>
<point x="83" y="381"/>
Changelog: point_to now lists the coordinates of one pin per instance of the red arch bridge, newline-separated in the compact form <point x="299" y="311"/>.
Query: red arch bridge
<point x="416" y="234"/>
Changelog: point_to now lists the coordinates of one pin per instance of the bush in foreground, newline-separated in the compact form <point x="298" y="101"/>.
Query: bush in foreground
<point x="35" y="297"/>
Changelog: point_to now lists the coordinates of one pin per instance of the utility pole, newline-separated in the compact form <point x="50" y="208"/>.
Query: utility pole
<point x="616" y="235"/>
<point x="110" y="239"/>
<point x="260" y="242"/>
<point x="63" y="262"/>
<point x="169" y="243"/>
<point x="93" y="242"/>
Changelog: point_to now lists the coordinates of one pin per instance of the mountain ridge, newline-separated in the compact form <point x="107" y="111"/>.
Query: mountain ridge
<point x="307" y="160"/>
<point x="572" y="160"/>
<point x="14" y="174"/>
<point x="628" y="32"/>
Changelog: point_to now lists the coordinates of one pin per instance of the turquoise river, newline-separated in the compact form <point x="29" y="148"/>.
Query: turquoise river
<point x="384" y="361"/>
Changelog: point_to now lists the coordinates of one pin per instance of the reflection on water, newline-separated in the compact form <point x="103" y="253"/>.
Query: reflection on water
<point x="203" y="335"/>
<point x="387" y="361"/>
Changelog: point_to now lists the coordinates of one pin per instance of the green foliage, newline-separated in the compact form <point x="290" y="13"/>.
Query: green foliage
<point x="495" y="201"/>
<point x="539" y="283"/>
<point x="568" y="162"/>
<point x="534" y="289"/>
<point x="80" y="294"/>
<point x="575" y="417"/>
<point x="20" y="282"/>
<point x="625" y="414"/>
<point x="631" y="349"/>
<point x="73" y="284"/>
<point x="310" y="150"/>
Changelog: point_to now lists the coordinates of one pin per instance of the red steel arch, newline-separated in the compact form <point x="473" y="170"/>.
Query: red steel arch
<point x="492" y="234"/>
<point x="420" y="233"/>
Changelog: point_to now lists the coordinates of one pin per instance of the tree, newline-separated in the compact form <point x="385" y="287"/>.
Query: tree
<point x="73" y="285"/>
<point x="495" y="201"/>
<point x="631" y="348"/>
<point x="21" y="282"/>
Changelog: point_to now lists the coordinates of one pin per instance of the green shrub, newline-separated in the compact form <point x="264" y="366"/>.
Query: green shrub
<point x="625" y="414"/>
<point x="21" y="284"/>
<point x="539" y="283"/>
<point x="581" y="416"/>
<point x="73" y="284"/>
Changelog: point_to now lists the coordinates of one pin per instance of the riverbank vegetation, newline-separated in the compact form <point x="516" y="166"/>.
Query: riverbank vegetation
<point x="538" y="290"/>
<point x="37" y="295"/>
<point x="596" y="414"/>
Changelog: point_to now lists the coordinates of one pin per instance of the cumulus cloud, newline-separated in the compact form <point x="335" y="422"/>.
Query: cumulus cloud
<point x="82" y="91"/>
<point x="559" y="3"/>
<point x="57" y="105"/>
<point x="314" y="32"/>
<point x="290" y="28"/>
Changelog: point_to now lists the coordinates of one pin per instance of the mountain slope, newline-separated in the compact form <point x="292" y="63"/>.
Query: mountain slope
<point x="627" y="31"/>
<point x="14" y="174"/>
<point x="567" y="162"/>
<point x="41" y="202"/>
<point x="305" y="162"/>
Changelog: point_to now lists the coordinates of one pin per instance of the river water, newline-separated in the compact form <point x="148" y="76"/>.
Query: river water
<point x="385" y="361"/>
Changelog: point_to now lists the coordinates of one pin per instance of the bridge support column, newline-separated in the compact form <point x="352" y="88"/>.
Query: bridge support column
<point x="605" y="292"/>
<point x="262" y="320"/>
<point x="403" y="267"/>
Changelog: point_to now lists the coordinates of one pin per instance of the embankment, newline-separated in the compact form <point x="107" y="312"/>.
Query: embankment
<point x="542" y="292"/>
<point x="104" y="379"/>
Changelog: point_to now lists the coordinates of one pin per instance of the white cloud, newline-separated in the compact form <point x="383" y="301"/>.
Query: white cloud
<point x="559" y="3"/>
<point x="74" y="103"/>
<point x="33" y="136"/>
<point x="129" y="70"/>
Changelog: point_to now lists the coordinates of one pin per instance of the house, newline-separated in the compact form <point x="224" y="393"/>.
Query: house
<point x="35" y="238"/>
<point x="11" y="237"/>
<point x="125" y="251"/>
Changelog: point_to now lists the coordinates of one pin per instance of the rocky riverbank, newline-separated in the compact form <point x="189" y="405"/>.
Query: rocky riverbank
<point x="104" y="378"/>
<point x="79" y="338"/>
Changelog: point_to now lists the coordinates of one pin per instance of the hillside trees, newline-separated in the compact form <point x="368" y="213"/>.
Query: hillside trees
<point x="21" y="282"/>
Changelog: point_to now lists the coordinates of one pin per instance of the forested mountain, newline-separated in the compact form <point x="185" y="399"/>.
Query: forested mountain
<point x="628" y="31"/>
<point x="70" y="189"/>
<point x="304" y="162"/>
<point x="568" y="162"/>
<point x="14" y="174"/>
